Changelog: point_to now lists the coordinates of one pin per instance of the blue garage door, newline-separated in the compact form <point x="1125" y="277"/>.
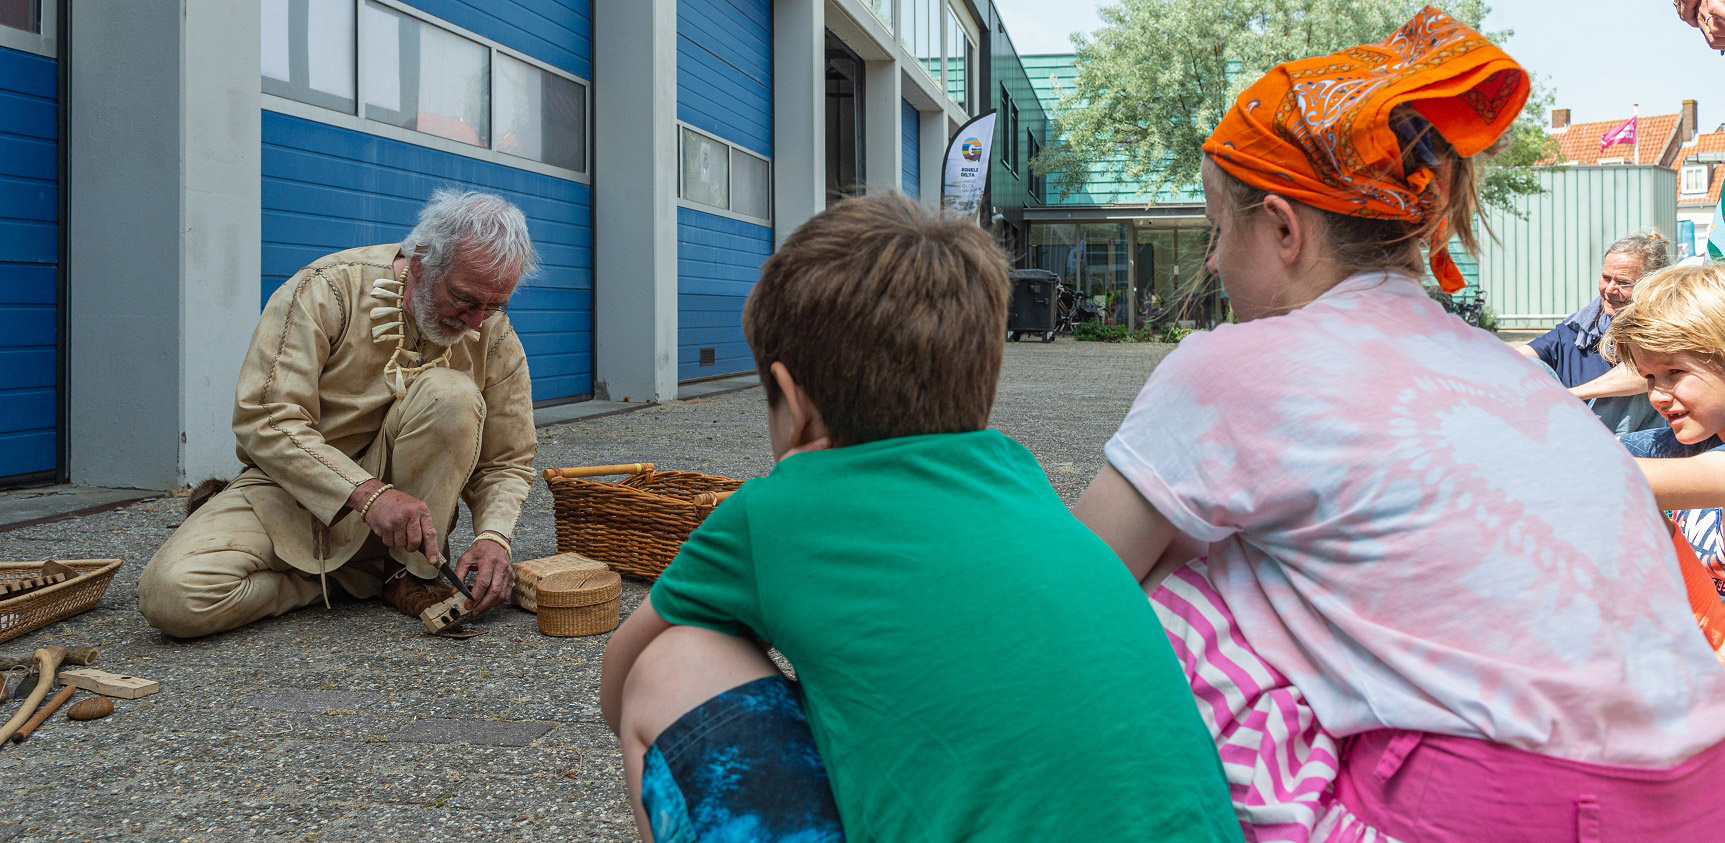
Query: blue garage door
<point x="910" y="165"/>
<point x="326" y="189"/>
<point x="29" y="255"/>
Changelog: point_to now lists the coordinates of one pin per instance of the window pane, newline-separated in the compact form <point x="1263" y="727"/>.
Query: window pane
<point x="276" y="62"/>
<point x="424" y="78"/>
<point x="751" y="181"/>
<point x="706" y="170"/>
<point x="21" y="14"/>
<point x="308" y="51"/>
<point x="540" y="115"/>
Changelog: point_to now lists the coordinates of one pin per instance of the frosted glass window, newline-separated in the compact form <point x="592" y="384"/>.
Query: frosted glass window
<point x="540" y="115"/>
<point x="706" y="170"/>
<point x="308" y="51"/>
<point x="751" y="185"/>
<point x="22" y="14"/>
<point x="440" y="81"/>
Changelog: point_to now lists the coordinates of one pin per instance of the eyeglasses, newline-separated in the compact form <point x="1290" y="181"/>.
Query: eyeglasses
<point x="467" y="302"/>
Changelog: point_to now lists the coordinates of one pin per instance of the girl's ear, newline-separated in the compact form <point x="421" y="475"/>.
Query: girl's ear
<point x="1291" y="229"/>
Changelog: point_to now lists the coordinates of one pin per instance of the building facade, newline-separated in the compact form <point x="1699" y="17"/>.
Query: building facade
<point x="165" y="165"/>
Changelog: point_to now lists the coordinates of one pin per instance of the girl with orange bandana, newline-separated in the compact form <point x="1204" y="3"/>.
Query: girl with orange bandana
<point x="1437" y="600"/>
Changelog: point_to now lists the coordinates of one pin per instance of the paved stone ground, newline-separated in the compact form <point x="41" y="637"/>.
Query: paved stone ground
<point x="350" y="724"/>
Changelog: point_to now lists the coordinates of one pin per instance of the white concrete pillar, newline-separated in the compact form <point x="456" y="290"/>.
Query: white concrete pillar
<point x="799" y="114"/>
<point x="883" y="116"/>
<point x="164" y="233"/>
<point x="635" y="200"/>
<point x="933" y="151"/>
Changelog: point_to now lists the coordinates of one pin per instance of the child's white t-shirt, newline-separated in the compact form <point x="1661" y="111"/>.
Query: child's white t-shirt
<point x="1423" y="530"/>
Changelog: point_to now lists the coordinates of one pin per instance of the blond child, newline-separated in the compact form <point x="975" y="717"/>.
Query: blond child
<point x="972" y="662"/>
<point x="1673" y="335"/>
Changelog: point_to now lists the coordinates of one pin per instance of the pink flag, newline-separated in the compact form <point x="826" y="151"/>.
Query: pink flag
<point x="1622" y="134"/>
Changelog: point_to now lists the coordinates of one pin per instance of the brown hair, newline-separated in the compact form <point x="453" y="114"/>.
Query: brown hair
<point x="1361" y="243"/>
<point x="1677" y="310"/>
<point x="891" y="318"/>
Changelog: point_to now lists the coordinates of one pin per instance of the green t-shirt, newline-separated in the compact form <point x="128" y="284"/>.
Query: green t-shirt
<point x="976" y="664"/>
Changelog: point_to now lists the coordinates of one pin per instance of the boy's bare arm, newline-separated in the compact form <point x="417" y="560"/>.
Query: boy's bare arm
<point x="1621" y="380"/>
<point x="1696" y="482"/>
<point x="625" y="646"/>
<point x="1140" y="535"/>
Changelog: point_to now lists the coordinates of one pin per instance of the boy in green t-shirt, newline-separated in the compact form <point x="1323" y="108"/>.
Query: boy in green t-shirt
<point x="972" y="662"/>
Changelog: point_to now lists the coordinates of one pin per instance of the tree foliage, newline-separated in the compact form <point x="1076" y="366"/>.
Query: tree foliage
<point x="1158" y="76"/>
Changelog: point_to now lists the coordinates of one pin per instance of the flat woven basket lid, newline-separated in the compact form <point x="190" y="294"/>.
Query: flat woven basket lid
<point x="566" y="589"/>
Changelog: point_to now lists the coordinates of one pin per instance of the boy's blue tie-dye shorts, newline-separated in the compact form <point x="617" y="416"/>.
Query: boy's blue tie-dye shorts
<point x="739" y="768"/>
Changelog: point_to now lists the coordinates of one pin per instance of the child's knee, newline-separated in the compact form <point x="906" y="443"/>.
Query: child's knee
<point x="681" y="668"/>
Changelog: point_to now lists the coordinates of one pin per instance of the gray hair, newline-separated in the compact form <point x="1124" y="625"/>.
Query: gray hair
<point x="492" y="225"/>
<point x="1649" y="248"/>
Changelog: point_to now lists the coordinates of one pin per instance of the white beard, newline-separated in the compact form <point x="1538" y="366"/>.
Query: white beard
<point x="424" y="313"/>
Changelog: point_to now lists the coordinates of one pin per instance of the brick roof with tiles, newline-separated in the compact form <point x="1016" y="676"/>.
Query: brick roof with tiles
<point x="1656" y="135"/>
<point x="1712" y="144"/>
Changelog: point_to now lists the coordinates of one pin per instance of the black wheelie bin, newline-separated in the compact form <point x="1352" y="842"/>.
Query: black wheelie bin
<point x="1033" y="304"/>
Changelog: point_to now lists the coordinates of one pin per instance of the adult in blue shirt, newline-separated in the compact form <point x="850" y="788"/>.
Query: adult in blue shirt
<point x="1617" y="396"/>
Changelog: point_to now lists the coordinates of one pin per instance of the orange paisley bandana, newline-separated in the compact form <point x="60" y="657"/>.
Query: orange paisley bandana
<point x="1318" y="130"/>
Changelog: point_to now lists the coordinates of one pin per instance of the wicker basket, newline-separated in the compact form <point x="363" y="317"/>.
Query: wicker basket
<point x="33" y="610"/>
<point x="580" y="602"/>
<point x="529" y="573"/>
<point x="636" y="524"/>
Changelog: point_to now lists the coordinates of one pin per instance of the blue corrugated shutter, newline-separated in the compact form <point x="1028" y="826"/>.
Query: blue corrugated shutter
<point x="29" y="262"/>
<point x="725" y="87"/>
<point x="911" y="168"/>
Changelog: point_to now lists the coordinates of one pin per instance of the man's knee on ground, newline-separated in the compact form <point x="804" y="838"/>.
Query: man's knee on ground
<point x="180" y="594"/>
<point x="445" y="398"/>
<point x="681" y="668"/>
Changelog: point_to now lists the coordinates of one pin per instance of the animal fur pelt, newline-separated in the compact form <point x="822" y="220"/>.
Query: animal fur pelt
<point x="202" y="493"/>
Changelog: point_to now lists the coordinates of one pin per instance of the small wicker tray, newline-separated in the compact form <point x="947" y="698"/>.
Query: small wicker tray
<point x="637" y="524"/>
<point x="528" y="575"/>
<point x="33" y="610"/>
<point x="580" y="602"/>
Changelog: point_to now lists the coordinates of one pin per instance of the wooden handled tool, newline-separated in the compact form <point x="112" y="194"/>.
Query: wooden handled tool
<point x="43" y="713"/>
<point x="74" y="655"/>
<point x="47" y="665"/>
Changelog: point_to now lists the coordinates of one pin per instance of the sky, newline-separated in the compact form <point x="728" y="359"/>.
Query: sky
<point x="1598" y="56"/>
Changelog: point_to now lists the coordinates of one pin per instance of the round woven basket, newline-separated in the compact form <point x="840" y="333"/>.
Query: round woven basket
<point x="587" y="602"/>
<point x="530" y="572"/>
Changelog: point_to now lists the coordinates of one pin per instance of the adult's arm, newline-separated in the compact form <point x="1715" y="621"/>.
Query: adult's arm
<point x="1137" y="532"/>
<point x="276" y="407"/>
<point x="625" y="646"/>
<point x="1621" y="380"/>
<point x="1544" y="347"/>
<point x="1696" y="482"/>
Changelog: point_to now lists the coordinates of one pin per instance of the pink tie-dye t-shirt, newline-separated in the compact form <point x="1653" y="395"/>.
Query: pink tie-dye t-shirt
<point x="1423" y="530"/>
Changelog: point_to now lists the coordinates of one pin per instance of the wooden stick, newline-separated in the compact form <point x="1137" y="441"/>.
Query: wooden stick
<point x="44" y="713"/>
<point x="47" y="663"/>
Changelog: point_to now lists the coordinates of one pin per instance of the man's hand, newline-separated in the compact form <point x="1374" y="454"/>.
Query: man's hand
<point x="495" y="579"/>
<point x="1710" y="16"/>
<point x="398" y="518"/>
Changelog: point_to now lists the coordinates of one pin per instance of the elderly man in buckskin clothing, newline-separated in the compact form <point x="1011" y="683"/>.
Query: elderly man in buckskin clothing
<point x="382" y="384"/>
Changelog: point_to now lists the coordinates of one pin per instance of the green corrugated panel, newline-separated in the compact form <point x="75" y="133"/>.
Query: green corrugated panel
<point x="1052" y="76"/>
